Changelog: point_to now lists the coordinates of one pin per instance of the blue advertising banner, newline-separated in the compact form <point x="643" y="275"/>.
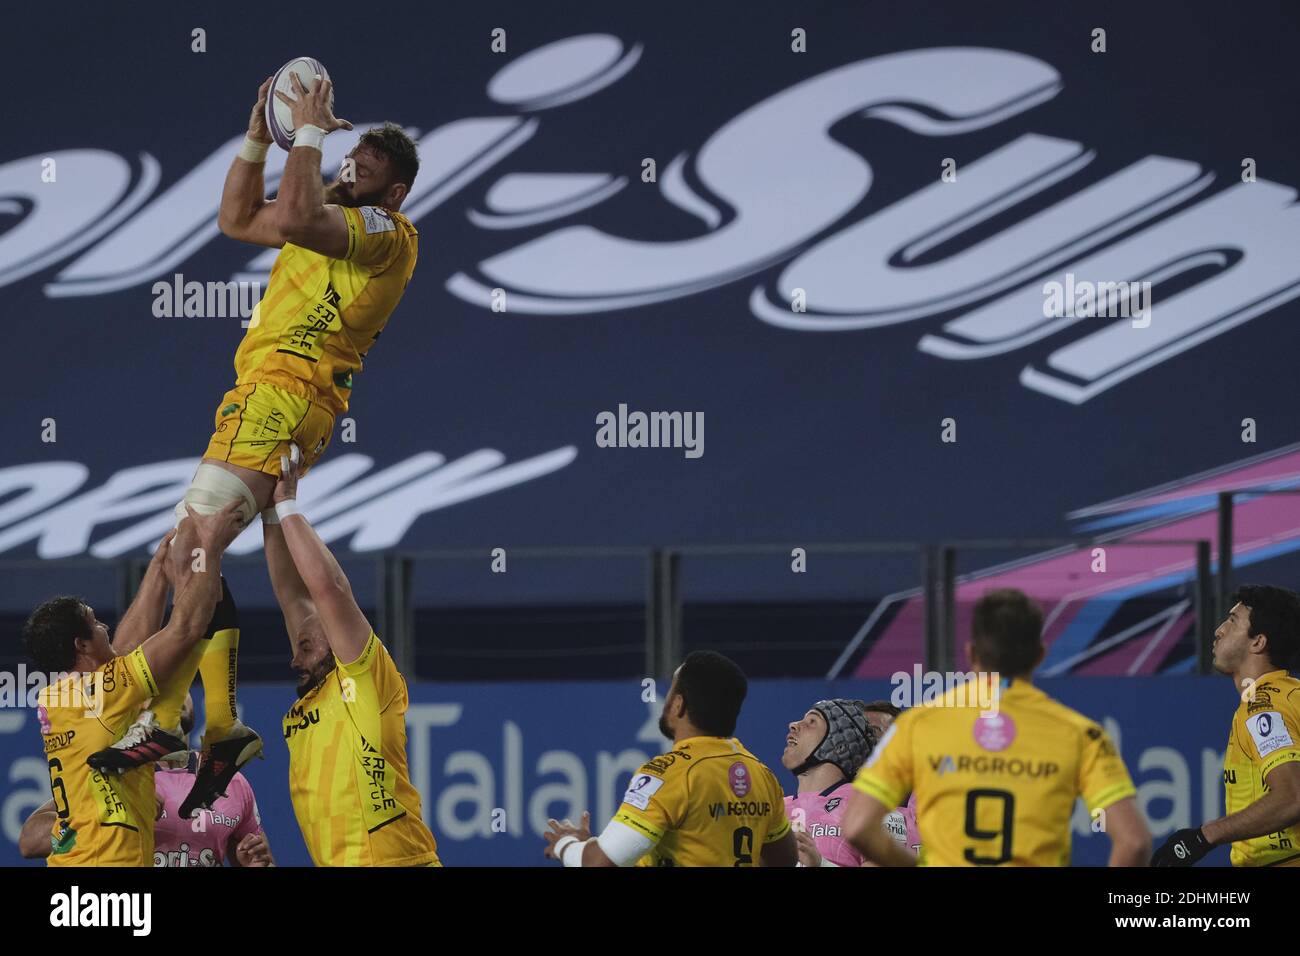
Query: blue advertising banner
<point x="495" y="761"/>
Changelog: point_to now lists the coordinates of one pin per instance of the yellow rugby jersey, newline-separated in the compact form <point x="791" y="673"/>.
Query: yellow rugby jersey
<point x="319" y="316"/>
<point x="999" y="790"/>
<point x="707" y="802"/>
<point x="348" y="780"/>
<point x="102" y="819"/>
<point x="1265" y="733"/>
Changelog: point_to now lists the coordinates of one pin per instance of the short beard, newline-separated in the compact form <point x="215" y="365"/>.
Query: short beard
<point x="664" y="728"/>
<point x="334" y="195"/>
<point x="315" y="678"/>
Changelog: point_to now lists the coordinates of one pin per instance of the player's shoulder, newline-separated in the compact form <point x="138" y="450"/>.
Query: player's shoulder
<point x="1050" y="710"/>
<point x="1271" y="692"/>
<point x="671" y="763"/>
<point x="376" y="220"/>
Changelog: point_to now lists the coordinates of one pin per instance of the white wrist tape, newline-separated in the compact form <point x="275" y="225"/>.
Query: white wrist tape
<point x="285" y="508"/>
<point x="309" y="135"/>
<point x="253" y="151"/>
<point x="571" y="855"/>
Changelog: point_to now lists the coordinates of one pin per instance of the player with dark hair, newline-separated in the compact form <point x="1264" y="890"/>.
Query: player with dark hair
<point x="346" y="733"/>
<point x="996" y="785"/>
<point x="101" y="818"/>
<point x="706" y="802"/>
<point x="230" y="831"/>
<point x="1256" y="646"/>
<point x="346" y="256"/>
<point x="824" y="750"/>
<point x="880" y="714"/>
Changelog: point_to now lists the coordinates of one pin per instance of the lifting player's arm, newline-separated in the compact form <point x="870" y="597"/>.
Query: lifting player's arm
<point x="292" y="595"/>
<point x="34" y="839"/>
<point x="194" y="565"/>
<point x="346" y="628"/>
<point x="144" y="616"/>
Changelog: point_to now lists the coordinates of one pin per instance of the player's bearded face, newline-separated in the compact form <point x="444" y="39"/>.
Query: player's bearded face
<point x="369" y="181"/>
<point x="312" y="661"/>
<point x="340" y="193"/>
<point x="670" y="704"/>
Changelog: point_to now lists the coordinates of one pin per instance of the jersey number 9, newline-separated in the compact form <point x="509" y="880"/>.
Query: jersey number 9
<point x="973" y="831"/>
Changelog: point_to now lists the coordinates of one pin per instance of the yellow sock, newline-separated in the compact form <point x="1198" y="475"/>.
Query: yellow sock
<point x="218" y="667"/>
<point x="167" y="705"/>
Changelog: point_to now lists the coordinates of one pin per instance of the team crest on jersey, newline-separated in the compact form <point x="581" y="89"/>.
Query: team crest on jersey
<point x="738" y="778"/>
<point x="832" y="803"/>
<point x="994" y="732"/>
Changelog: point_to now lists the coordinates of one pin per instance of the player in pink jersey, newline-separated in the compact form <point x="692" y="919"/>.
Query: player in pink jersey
<point x="824" y="751"/>
<point x="230" y="831"/>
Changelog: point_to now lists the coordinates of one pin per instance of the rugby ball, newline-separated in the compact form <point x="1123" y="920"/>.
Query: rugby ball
<point x="279" y="119"/>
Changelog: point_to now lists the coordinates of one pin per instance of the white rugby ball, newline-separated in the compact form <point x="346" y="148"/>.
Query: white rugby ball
<point x="279" y="119"/>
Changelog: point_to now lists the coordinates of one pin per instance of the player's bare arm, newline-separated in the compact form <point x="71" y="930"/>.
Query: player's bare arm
<point x="1130" y="840"/>
<point x="301" y="212"/>
<point x="346" y="628"/>
<point x="34" y="838"/>
<point x="195" y="559"/>
<point x="864" y="828"/>
<point x="245" y="213"/>
<point x="290" y="592"/>
<point x="782" y="852"/>
<point x="144" y="616"/>
<point x="1278" y="809"/>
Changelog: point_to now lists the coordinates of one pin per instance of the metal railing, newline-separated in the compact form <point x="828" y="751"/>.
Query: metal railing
<point x="935" y="576"/>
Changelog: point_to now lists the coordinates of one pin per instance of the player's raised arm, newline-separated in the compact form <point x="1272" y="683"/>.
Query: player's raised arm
<point x="245" y="213"/>
<point x="195" y="568"/>
<point x="144" y="616"/>
<point x="34" y="838"/>
<point x="302" y="214"/>
<point x="346" y="628"/>
<point x="290" y="592"/>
